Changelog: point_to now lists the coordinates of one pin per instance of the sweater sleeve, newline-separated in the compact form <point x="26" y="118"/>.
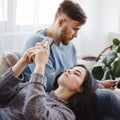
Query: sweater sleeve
<point x="36" y="105"/>
<point x="9" y="85"/>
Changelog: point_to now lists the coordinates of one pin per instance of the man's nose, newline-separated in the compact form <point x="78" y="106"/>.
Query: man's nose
<point x="75" y="34"/>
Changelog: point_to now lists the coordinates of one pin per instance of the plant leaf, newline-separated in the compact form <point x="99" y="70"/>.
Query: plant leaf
<point x="118" y="49"/>
<point x="116" y="41"/>
<point x="98" y="71"/>
<point x="115" y="68"/>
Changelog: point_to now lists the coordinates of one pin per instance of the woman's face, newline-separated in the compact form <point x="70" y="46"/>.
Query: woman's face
<point x="73" y="78"/>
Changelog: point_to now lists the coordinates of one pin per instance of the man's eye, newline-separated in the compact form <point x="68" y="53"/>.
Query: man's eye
<point x="76" y="29"/>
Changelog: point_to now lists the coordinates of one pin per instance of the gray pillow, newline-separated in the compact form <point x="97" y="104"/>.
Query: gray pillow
<point x="7" y="60"/>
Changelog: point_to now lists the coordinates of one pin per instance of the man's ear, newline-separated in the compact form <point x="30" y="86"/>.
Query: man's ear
<point x="61" y="21"/>
<point x="80" y="90"/>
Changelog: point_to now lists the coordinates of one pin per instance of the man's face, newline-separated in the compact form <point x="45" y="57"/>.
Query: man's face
<point x="69" y="31"/>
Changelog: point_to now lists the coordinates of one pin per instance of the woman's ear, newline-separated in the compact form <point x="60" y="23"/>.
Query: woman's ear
<point x="80" y="90"/>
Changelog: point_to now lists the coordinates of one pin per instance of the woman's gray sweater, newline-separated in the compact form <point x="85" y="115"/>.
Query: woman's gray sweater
<point x="29" y="101"/>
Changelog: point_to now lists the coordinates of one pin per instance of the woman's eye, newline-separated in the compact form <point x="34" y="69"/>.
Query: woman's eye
<point x="76" y="73"/>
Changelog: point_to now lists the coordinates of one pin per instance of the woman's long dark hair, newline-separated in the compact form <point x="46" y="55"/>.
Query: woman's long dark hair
<point x="84" y="105"/>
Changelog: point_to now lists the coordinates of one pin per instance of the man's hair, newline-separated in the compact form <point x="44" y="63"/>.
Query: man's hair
<point x="72" y="10"/>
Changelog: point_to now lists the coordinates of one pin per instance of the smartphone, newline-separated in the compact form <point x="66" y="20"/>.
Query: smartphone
<point x="49" y="43"/>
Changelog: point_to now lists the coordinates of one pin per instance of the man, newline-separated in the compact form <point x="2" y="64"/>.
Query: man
<point x="68" y="20"/>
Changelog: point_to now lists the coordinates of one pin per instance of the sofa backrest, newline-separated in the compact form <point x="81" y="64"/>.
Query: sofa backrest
<point x="7" y="60"/>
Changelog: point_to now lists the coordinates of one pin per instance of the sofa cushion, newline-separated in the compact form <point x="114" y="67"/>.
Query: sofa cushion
<point x="8" y="59"/>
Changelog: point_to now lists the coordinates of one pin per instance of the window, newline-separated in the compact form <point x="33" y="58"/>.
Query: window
<point x="25" y="9"/>
<point x="31" y="12"/>
<point x="3" y="10"/>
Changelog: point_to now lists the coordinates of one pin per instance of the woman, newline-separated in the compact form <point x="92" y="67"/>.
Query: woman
<point x="84" y="104"/>
<point x="29" y="100"/>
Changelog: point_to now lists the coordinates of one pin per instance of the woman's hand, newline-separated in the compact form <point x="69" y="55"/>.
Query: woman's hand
<point x="28" y="56"/>
<point x="23" y="62"/>
<point x="40" y="57"/>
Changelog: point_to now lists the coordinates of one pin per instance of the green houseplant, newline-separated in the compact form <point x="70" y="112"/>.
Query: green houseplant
<point x="108" y="66"/>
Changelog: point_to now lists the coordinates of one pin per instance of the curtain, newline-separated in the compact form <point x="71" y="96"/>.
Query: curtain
<point x="20" y="18"/>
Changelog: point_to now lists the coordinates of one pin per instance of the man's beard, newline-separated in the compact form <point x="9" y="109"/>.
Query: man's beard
<point x="63" y="38"/>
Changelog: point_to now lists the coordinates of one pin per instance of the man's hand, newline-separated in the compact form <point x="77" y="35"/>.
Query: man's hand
<point x="110" y="84"/>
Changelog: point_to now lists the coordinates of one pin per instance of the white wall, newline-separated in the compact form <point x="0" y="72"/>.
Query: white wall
<point x="87" y="35"/>
<point x="103" y="18"/>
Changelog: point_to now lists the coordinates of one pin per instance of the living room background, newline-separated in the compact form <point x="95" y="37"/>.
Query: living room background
<point x="20" y="18"/>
